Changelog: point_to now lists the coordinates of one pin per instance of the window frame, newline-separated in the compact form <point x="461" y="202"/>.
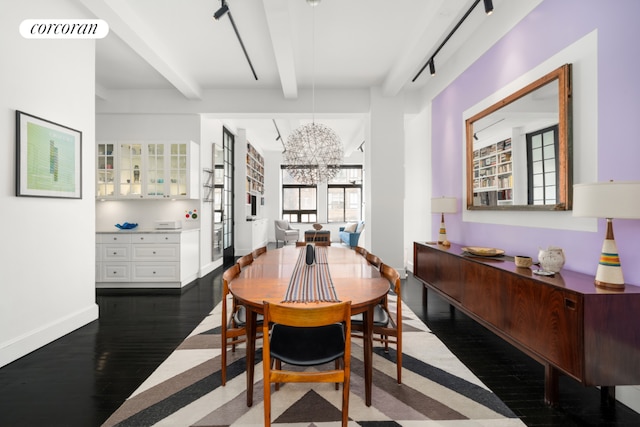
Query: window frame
<point x="344" y="187"/>
<point x="297" y="213"/>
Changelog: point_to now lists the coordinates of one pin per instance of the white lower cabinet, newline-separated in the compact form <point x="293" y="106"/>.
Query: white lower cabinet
<point x="154" y="259"/>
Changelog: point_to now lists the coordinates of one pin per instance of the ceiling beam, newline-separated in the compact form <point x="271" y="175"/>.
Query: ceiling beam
<point x="141" y="39"/>
<point x="279" y="23"/>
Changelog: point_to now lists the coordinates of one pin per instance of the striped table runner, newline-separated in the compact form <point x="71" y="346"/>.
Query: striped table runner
<point x="311" y="283"/>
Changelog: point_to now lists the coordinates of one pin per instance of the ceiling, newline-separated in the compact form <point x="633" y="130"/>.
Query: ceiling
<point x="339" y="44"/>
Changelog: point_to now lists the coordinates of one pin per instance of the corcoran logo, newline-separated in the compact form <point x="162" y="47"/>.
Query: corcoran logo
<point x="64" y="28"/>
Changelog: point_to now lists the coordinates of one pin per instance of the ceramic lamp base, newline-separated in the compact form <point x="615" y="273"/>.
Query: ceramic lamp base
<point x="442" y="235"/>
<point x="609" y="273"/>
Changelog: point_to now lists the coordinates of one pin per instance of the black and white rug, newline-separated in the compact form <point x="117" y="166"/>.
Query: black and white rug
<point x="437" y="389"/>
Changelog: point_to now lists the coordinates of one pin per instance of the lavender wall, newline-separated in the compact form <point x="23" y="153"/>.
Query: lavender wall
<point x="548" y="29"/>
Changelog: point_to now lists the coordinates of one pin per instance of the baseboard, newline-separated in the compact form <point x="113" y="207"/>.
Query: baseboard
<point x="21" y="346"/>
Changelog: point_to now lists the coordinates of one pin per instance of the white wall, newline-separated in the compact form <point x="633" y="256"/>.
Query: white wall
<point x="48" y="251"/>
<point x="385" y="179"/>
<point x="417" y="212"/>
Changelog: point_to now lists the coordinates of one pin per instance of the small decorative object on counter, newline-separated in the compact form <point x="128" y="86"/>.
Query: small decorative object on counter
<point x="551" y="259"/>
<point x="523" y="261"/>
<point x="127" y="226"/>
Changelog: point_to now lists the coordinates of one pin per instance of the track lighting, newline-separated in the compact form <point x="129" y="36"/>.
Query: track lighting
<point x="488" y="7"/>
<point x="224" y="10"/>
<point x="221" y="12"/>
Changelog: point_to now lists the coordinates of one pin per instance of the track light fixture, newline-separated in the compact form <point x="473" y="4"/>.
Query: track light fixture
<point x="224" y="10"/>
<point x="221" y="12"/>
<point x="488" y="7"/>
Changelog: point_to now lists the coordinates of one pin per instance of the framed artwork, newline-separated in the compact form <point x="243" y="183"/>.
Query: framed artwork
<point x="48" y="158"/>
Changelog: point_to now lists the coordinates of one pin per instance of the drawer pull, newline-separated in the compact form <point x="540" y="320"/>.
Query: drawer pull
<point x="115" y="253"/>
<point x="571" y="305"/>
<point x="154" y="252"/>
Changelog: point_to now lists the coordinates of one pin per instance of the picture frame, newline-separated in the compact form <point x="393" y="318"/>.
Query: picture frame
<point x="48" y="158"/>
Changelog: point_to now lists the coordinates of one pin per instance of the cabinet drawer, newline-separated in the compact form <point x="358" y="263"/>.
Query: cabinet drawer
<point x="115" y="252"/>
<point x="115" y="272"/>
<point x="149" y="272"/>
<point x="168" y="252"/>
<point x="155" y="238"/>
<point x="113" y="237"/>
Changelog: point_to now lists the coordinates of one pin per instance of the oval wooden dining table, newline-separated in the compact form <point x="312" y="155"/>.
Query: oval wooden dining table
<point x="268" y="277"/>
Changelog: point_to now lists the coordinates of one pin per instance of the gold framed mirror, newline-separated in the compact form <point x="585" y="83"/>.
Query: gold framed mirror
<point x="519" y="150"/>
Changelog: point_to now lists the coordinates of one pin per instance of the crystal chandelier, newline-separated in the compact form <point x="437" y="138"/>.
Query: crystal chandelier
<point x="313" y="152"/>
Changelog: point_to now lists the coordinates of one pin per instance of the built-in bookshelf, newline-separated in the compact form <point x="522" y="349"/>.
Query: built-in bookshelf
<point x="493" y="174"/>
<point x="255" y="170"/>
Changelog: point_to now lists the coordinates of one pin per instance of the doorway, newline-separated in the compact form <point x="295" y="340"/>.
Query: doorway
<point x="228" y="256"/>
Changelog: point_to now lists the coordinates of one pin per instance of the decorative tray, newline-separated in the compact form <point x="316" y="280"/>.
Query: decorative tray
<point x="480" y="251"/>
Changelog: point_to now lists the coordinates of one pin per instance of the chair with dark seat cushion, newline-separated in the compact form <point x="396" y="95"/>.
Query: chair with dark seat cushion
<point x="245" y="260"/>
<point x="387" y="326"/>
<point x="233" y="326"/>
<point x="257" y="252"/>
<point x="307" y="336"/>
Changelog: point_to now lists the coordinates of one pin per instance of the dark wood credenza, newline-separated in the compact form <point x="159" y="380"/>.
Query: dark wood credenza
<point x="564" y="322"/>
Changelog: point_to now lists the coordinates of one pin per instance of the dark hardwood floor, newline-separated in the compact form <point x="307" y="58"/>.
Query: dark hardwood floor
<point x="81" y="378"/>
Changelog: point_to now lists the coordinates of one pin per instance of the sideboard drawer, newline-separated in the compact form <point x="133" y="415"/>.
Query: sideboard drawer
<point x="115" y="252"/>
<point x="150" y="272"/>
<point x="155" y="238"/>
<point x="115" y="272"/>
<point x="168" y="252"/>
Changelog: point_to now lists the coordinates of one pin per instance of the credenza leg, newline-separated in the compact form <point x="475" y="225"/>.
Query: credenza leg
<point x="551" y="390"/>
<point x="425" y="299"/>
<point x="608" y="395"/>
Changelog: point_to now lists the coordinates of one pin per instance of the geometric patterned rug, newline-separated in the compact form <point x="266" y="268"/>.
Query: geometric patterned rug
<point x="436" y="390"/>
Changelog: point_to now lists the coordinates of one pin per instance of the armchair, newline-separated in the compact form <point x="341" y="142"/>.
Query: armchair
<point x="350" y="234"/>
<point x="285" y="233"/>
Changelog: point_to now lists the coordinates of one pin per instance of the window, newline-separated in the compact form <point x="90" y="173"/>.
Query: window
<point x="299" y="202"/>
<point x="344" y="195"/>
<point x="542" y="154"/>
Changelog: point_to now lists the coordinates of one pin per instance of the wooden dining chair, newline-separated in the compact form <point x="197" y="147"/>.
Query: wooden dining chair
<point x="245" y="260"/>
<point x="387" y="322"/>
<point x="373" y="260"/>
<point x="362" y="251"/>
<point x="231" y="333"/>
<point x="257" y="252"/>
<point x="233" y="326"/>
<point x="307" y="336"/>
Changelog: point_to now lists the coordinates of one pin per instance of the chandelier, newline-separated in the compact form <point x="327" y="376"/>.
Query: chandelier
<point x="313" y="152"/>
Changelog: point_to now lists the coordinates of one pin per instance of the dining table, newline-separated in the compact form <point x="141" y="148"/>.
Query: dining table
<point x="271" y="276"/>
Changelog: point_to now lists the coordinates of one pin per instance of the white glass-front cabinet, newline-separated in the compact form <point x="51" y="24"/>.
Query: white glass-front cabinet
<point x="147" y="170"/>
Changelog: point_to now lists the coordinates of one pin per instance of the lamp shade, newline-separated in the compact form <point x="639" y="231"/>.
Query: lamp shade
<point x="613" y="199"/>
<point x="443" y="205"/>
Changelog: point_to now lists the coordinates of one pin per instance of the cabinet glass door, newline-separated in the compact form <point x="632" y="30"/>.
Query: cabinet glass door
<point x="155" y="170"/>
<point x="178" y="170"/>
<point x="130" y="170"/>
<point x="106" y="170"/>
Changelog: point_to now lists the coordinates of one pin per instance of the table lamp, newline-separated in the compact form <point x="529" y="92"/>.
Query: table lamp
<point x="613" y="199"/>
<point x="443" y="205"/>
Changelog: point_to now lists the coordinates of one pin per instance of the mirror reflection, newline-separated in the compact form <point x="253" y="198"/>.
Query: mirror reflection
<point x="518" y="150"/>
